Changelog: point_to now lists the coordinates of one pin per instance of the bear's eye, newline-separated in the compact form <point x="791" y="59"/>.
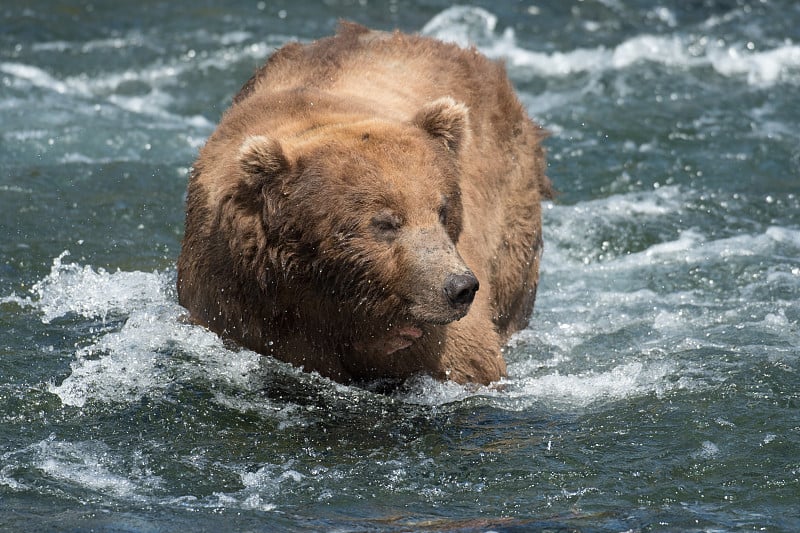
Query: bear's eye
<point x="386" y="224"/>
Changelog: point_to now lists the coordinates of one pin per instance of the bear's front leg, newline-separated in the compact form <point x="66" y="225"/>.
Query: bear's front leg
<point x="472" y="351"/>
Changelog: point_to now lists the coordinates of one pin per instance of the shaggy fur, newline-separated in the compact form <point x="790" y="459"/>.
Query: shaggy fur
<point x="341" y="213"/>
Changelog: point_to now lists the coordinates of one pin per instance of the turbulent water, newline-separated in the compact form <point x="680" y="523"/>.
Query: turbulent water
<point x="657" y="386"/>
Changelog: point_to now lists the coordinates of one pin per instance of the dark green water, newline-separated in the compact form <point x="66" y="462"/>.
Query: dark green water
<point x="656" y="388"/>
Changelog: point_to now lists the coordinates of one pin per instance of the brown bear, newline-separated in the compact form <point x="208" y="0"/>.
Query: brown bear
<point x="369" y="208"/>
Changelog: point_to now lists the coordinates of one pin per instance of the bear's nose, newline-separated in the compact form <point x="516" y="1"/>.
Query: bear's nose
<point x="461" y="288"/>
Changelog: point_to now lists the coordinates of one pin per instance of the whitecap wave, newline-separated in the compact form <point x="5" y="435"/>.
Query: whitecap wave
<point x="260" y="488"/>
<point x="469" y="26"/>
<point x="95" y="470"/>
<point x="690" y="290"/>
<point x="156" y="84"/>
<point x="225" y="50"/>
<point x="90" y="465"/>
<point x="580" y="390"/>
<point x="462" y="25"/>
<point x="528" y="387"/>
<point x="761" y="68"/>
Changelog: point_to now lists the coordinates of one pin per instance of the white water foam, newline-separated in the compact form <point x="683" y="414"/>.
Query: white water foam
<point x="462" y="25"/>
<point x="259" y="489"/>
<point x="156" y="102"/>
<point x="763" y="68"/>
<point x="70" y="288"/>
<point x="231" y="48"/>
<point x="151" y="96"/>
<point x="573" y="233"/>
<point x="94" y="467"/>
<point x="569" y="228"/>
<point x="691" y="312"/>
<point x="91" y="465"/>
<point x="22" y="74"/>
<point x="581" y="390"/>
<point x="570" y="233"/>
<point x="528" y="387"/>
<point x="137" y="360"/>
<point x="475" y="26"/>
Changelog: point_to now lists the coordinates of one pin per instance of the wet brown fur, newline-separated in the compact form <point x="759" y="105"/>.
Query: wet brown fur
<point x="347" y="179"/>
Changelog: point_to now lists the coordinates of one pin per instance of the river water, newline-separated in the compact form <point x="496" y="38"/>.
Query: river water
<point x="657" y="386"/>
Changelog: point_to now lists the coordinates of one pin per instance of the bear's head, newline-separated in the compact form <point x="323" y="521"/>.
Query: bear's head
<point x="362" y="216"/>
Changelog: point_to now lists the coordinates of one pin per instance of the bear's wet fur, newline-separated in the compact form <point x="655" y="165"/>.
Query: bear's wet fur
<point x="369" y="208"/>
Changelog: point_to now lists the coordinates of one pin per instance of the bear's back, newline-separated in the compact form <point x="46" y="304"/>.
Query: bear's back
<point x="393" y="74"/>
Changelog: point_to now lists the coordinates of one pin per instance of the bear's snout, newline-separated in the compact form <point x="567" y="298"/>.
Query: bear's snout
<point x="460" y="289"/>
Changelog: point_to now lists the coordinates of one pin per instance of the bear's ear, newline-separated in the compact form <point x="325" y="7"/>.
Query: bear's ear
<point x="445" y="119"/>
<point x="261" y="158"/>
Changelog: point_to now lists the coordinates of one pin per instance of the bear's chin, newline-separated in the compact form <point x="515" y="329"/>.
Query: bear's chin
<point x="443" y="317"/>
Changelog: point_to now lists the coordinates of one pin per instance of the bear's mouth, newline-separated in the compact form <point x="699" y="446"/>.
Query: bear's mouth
<point x="401" y="337"/>
<point x="396" y="338"/>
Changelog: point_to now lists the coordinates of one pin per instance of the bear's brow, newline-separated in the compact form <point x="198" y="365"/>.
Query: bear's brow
<point x="326" y="130"/>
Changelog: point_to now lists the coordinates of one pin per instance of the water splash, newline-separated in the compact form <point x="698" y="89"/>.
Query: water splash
<point x="154" y="349"/>
<point x="90" y="293"/>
